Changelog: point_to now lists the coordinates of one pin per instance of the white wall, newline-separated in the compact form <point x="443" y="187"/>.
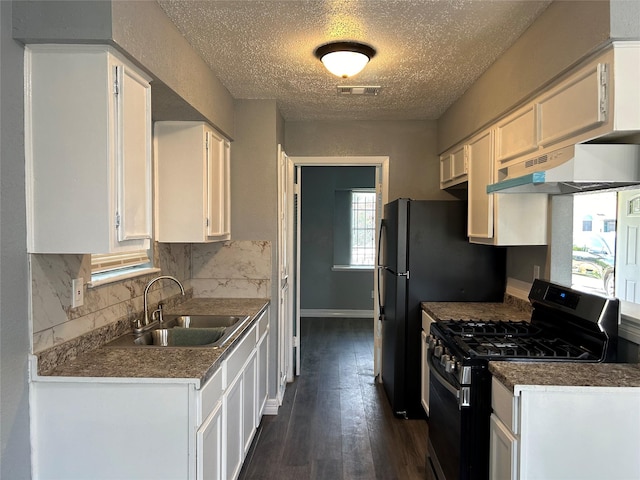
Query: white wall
<point x="414" y="168"/>
<point x="14" y="325"/>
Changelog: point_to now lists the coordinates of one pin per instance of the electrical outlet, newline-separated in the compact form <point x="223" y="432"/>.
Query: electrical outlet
<point x="77" y="292"/>
<point x="536" y="271"/>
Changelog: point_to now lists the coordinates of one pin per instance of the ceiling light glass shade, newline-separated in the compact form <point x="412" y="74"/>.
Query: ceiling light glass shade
<point x="345" y="59"/>
<point x="345" y="64"/>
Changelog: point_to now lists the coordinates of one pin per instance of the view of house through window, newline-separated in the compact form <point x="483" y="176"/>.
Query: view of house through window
<point x="606" y="243"/>
<point x="363" y="220"/>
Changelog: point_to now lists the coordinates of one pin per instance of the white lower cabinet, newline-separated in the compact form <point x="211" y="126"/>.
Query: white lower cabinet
<point x="209" y="446"/>
<point x="249" y="402"/>
<point x="504" y="451"/>
<point x="564" y="432"/>
<point x="262" y="355"/>
<point x="234" y="448"/>
<point x="106" y="428"/>
<point x="427" y="320"/>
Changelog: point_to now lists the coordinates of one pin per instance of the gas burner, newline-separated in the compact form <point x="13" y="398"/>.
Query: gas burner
<point x="495" y="328"/>
<point x="522" y="348"/>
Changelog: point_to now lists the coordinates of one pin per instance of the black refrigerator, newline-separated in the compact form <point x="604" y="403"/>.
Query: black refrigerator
<point x="425" y="255"/>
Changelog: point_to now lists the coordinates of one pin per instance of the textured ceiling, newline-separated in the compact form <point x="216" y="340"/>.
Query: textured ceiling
<point x="428" y="52"/>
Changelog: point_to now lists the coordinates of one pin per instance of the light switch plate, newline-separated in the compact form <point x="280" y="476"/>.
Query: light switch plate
<point x="77" y="293"/>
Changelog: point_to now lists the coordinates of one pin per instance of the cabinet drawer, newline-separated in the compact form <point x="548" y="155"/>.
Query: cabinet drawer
<point x="504" y="405"/>
<point x="210" y="394"/>
<point x="241" y="353"/>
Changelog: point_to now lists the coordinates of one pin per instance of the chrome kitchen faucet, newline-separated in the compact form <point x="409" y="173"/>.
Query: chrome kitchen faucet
<point x="145" y="321"/>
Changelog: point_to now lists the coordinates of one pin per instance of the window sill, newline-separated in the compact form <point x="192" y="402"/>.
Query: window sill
<point x="352" y="268"/>
<point x="113" y="277"/>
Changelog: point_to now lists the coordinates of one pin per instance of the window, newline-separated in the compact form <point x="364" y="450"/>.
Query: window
<point x="593" y="258"/>
<point x="109" y="267"/>
<point x="363" y="219"/>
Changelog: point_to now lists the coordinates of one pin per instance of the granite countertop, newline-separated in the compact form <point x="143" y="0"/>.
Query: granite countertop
<point x="478" y="311"/>
<point x="165" y="362"/>
<point x="517" y="374"/>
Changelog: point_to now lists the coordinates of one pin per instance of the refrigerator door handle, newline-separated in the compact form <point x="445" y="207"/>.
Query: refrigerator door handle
<point x="380" y="242"/>
<point x="397" y="274"/>
<point x="380" y="306"/>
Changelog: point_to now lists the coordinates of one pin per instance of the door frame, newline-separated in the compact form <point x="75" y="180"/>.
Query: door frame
<point x="294" y="163"/>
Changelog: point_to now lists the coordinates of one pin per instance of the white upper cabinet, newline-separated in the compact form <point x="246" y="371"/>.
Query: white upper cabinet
<point x="500" y="219"/>
<point x="453" y="167"/>
<point x="480" y="213"/>
<point x="600" y="97"/>
<point x="516" y="135"/>
<point x="192" y="180"/>
<point x="88" y="150"/>
<point x="579" y="104"/>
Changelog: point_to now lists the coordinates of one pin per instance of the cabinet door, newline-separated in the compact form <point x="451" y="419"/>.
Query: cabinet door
<point x="263" y="359"/>
<point x="249" y="402"/>
<point x="87" y="155"/>
<point x="458" y="163"/>
<point x="234" y="444"/>
<point x="453" y="167"/>
<point x="133" y="154"/>
<point x="503" y="459"/>
<point x="209" y="446"/>
<point x="424" y="383"/>
<point x="480" y="164"/>
<point x="445" y="168"/>
<point x="218" y="178"/>
<point x="516" y="135"/>
<point x="576" y="105"/>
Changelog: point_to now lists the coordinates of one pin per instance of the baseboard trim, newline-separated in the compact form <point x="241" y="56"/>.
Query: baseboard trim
<point x="326" y="312"/>
<point x="271" y="408"/>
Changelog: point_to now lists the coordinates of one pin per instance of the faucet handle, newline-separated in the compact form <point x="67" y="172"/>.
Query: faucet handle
<point x="137" y="323"/>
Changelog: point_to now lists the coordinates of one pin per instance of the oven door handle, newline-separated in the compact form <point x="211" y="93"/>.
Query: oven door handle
<point x="454" y="391"/>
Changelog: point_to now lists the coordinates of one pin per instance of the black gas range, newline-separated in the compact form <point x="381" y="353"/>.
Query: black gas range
<point x="566" y="326"/>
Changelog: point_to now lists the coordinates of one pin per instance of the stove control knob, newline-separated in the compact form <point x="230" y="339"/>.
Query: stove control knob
<point x="432" y="341"/>
<point x="450" y="366"/>
<point x="444" y="359"/>
<point x="437" y="351"/>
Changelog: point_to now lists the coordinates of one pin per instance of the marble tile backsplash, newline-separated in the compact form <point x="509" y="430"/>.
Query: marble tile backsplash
<point x="233" y="269"/>
<point x="55" y="322"/>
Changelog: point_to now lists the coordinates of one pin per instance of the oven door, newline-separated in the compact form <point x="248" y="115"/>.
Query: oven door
<point x="445" y="425"/>
<point x="458" y="424"/>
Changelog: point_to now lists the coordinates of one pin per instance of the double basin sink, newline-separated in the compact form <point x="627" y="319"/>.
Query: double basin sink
<point x="185" y="331"/>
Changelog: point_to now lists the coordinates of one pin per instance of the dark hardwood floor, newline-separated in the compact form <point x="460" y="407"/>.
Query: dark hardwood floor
<point x="335" y="421"/>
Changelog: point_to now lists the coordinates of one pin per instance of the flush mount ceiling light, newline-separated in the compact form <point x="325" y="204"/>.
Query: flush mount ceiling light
<point x="345" y="59"/>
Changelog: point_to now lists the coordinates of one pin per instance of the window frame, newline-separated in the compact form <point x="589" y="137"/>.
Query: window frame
<point x="372" y="229"/>
<point x="114" y="267"/>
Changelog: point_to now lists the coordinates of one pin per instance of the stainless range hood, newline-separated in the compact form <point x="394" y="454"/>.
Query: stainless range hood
<point x="574" y="169"/>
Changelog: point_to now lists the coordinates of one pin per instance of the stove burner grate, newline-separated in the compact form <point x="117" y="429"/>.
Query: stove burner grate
<point x="523" y="347"/>
<point x="489" y="328"/>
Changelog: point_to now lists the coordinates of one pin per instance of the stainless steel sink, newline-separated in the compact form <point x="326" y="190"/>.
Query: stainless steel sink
<point x="185" y="331"/>
<point x="202" y="321"/>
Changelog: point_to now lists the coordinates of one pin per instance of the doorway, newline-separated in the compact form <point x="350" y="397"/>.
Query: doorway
<point x="291" y="191"/>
